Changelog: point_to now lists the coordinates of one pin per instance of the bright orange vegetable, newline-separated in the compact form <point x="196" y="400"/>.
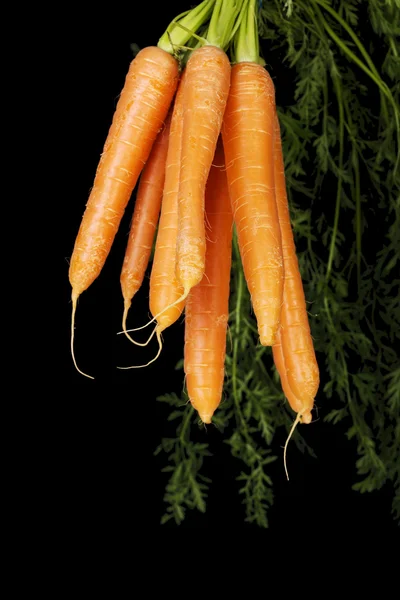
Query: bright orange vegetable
<point x="140" y="113"/>
<point x="248" y="136"/>
<point x="293" y="350"/>
<point x="164" y="287"/>
<point x="145" y="219"/>
<point x="205" y="95"/>
<point x="299" y="369"/>
<point x="207" y="308"/>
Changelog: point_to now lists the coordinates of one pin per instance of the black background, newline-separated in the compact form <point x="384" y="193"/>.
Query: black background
<point x="103" y="433"/>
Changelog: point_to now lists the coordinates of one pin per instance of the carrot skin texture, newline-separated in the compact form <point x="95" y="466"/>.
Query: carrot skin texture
<point x="298" y="365"/>
<point x="145" y="216"/>
<point x="141" y="110"/>
<point x="248" y="136"/>
<point x="207" y="307"/>
<point x="164" y="286"/>
<point x="205" y="95"/>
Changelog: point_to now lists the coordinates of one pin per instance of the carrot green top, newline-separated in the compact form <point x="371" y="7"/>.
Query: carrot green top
<point x="182" y="28"/>
<point x="220" y="19"/>
<point x="224" y="23"/>
<point x="245" y="42"/>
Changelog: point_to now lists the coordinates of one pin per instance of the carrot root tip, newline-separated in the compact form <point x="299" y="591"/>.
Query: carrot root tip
<point x="75" y="297"/>
<point x="295" y="423"/>
<point x="205" y="418"/>
<point x="157" y="330"/>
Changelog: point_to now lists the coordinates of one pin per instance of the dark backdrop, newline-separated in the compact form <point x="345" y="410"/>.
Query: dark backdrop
<point x="104" y="432"/>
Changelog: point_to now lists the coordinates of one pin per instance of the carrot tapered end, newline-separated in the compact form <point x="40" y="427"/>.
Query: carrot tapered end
<point x="75" y="297"/>
<point x="206" y="418"/>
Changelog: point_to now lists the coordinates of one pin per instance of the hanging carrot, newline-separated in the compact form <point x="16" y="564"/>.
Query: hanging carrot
<point x="140" y="113"/>
<point x="293" y="352"/>
<point x="248" y="136"/>
<point x="165" y="290"/>
<point x="205" y="94"/>
<point x="145" y="219"/>
<point x="206" y="312"/>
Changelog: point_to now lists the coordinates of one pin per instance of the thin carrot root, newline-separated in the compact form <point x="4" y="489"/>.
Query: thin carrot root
<point x="124" y="330"/>
<point x="181" y="298"/>
<point x="296" y="422"/>
<point x="74" y="303"/>
<point x="157" y="331"/>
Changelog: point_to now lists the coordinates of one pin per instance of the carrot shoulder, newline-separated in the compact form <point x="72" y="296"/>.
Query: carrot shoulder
<point x="145" y="218"/>
<point x="248" y="136"/>
<point x="206" y="312"/>
<point x="293" y="352"/>
<point x="141" y="110"/>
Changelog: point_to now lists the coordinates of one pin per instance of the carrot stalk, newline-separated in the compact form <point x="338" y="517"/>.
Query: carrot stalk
<point x="180" y="29"/>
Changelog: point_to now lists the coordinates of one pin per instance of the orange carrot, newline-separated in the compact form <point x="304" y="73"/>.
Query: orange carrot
<point x="205" y="94"/>
<point x="206" y="313"/>
<point x="164" y="287"/>
<point x="248" y="136"/>
<point x="145" y="219"/>
<point x="141" y="110"/>
<point x="294" y="350"/>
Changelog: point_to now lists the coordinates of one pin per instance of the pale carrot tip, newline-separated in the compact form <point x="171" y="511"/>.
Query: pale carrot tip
<point x="75" y="297"/>
<point x="306" y="418"/>
<point x="206" y="418"/>
<point x="268" y="337"/>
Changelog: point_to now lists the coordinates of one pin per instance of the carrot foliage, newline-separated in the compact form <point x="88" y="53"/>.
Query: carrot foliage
<point x="341" y="129"/>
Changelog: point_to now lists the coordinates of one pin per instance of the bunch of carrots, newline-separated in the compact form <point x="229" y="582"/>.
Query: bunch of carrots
<point x="202" y="133"/>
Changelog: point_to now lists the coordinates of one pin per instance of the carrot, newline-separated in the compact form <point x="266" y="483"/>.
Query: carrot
<point x="293" y="350"/>
<point x="205" y="94"/>
<point x="248" y="133"/>
<point x="164" y="287"/>
<point x="139" y="115"/>
<point x="145" y="219"/>
<point x="141" y="110"/>
<point x="299" y="370"/>
<point x="206" y="312"/>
